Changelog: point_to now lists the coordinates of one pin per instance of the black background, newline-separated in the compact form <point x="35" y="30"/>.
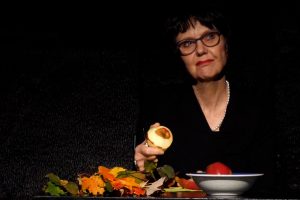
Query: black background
<point x="71" y="76"/>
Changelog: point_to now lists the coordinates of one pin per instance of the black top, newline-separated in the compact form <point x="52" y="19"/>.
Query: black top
<point x="245" y="141"/>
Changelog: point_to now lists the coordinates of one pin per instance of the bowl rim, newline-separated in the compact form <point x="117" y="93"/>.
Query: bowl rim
<point x="234" y="175"/>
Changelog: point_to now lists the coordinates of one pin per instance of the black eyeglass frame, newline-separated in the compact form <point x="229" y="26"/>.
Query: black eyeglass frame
<point x="194" y="41"/>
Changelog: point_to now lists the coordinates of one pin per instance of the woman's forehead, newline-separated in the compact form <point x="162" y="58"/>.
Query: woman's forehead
<point x="193" y="31"/>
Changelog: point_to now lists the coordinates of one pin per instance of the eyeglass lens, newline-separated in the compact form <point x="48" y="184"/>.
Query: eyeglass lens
<point x="188" y="46"/>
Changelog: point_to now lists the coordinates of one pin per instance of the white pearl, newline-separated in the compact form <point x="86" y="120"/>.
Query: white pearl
<point x="217" y="128"/>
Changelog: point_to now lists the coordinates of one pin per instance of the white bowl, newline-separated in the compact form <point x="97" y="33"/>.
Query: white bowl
<point x="224" y="185"/>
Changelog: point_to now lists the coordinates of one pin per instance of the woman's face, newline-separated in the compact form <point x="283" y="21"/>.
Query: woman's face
<point x="205" y="63"/>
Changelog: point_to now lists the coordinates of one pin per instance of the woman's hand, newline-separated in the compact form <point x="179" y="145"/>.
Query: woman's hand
<point x="143" y="152"/>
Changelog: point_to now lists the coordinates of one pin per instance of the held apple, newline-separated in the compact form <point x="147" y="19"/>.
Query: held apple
<point x="218" y="168"/>
<point x="160" y="137"/>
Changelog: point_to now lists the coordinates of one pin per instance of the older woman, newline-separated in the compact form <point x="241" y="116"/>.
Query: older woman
<point x="211" y="119"/>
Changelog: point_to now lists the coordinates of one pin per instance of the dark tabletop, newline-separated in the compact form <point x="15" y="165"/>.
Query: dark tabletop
<point x="175" y="196"/>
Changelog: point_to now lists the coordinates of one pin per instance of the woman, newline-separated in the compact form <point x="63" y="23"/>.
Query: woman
<point x="211" y="120"/>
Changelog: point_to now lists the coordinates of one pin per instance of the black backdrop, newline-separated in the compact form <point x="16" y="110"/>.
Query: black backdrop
<point x="70" y="86"/>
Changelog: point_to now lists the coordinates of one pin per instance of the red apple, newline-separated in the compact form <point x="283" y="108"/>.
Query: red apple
<point x="218" y="168"/>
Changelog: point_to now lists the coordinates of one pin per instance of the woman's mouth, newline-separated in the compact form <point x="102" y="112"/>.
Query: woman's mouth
<point x="203" y="63"/>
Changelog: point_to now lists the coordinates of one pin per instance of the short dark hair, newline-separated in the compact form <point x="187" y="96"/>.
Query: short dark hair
<point x="211" y="18"/>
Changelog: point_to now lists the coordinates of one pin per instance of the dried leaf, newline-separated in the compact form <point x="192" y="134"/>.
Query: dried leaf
<point x="143" y="184"/>
<point x="155" y="186"/>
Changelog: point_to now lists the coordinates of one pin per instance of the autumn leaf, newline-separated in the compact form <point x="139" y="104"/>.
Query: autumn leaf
<point x="138" y="176"/>
<point x="155" y="186"/>
<point x="114" y="171"/>
<point x="150" y="167"/>
<point x="54" y="190"/>
<point x="105" y="172"/>
<point x="72" y="188"/>
<point x="138" y="191"/>
<point x="126" y="182"/>
<point x="167" y="171"/>
<point x="54" y="178"/>
<point x="108" y="186"/>
<point x="178" y="189"/>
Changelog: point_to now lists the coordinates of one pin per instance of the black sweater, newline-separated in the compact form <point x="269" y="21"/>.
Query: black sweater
<point x="245" y="141"/>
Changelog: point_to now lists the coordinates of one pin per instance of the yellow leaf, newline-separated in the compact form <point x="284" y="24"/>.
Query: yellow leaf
<point x="114" y="171"/>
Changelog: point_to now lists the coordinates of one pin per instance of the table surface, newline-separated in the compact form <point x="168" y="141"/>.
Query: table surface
<point x="165" y="196"/>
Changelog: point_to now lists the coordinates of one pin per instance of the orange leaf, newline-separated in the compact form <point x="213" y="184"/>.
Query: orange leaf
<point x="93" y="184"/>
<point x="117" y="184"/>
<point x="139" y="191"/>
<point x="129" y="182"/>
<point x="105" y="172"/>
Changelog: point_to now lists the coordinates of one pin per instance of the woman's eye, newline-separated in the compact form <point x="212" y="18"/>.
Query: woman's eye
<point x="186" y="43"/>
<point x="210" y="36"/>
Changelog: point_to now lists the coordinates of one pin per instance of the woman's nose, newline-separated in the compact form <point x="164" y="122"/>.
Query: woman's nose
<point x="200" y="48"/>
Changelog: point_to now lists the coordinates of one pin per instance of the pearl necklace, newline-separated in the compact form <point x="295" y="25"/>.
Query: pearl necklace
<point x="217" y="128"/>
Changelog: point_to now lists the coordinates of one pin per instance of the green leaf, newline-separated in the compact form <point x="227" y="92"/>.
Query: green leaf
<point x="54" y="190"/>
<point x="124" y="174"/>
<point x="108" y="186"/>
<point x="72" y="188"/>
<point x="167" y="171"/>
<point x="150" y="166"/>
<point x="178" y="189"/>
<point x="138" y="176"/>
<point x="53" y="178"/>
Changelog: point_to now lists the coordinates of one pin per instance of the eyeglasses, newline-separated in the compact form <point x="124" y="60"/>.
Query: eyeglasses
<point x="209" y="39"/>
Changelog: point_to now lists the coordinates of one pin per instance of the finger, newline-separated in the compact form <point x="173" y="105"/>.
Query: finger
<point x="152" y="158"/>
<point x="149" y="151"/>
<point x="146" y="144"/>
<point x="156" y="124"/>
<point x="140" y="165"/>
<point x="141" y="169"/>
<point x="138" y="159"/>
<point x="139" y="148"/>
